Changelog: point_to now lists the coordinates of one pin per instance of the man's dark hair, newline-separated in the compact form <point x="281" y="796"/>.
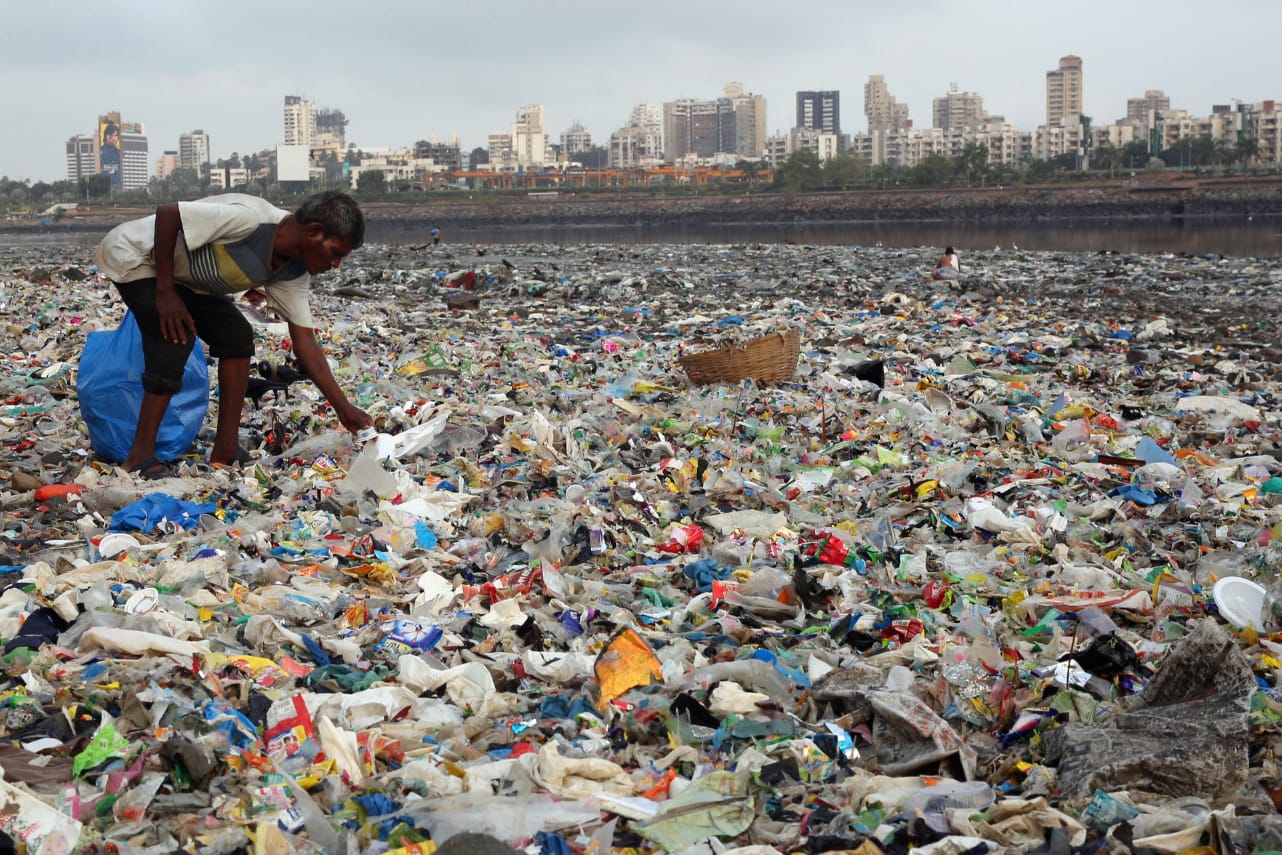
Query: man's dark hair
<point x="948" y="250"/>
<point x="337" y="212"/>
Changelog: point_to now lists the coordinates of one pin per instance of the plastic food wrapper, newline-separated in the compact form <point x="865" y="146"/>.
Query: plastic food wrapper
<point x="958" y="583"/>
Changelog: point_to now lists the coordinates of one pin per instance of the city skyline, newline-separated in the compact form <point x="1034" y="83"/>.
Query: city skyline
<point x="408" y="71"/>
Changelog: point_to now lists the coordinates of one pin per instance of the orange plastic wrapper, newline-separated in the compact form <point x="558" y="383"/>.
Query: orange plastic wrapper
<point x="505" y="586"/>
<point x="58" y="491"/>
<point x="625" y="663"/>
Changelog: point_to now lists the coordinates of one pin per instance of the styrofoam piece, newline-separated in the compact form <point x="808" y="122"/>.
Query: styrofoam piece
<point x="1240" y="600"/>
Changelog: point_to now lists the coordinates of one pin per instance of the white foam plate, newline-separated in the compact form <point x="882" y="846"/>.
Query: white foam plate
<point x="1240" y="600"/>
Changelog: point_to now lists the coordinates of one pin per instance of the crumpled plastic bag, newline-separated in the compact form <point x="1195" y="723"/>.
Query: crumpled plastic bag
<point x="729" y="698"/>
<point x="137" y="643"/>
<point x="580" y="778"/>
<point x="1018" y="823"/>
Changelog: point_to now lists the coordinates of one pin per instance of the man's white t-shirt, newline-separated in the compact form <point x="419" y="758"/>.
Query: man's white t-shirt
<point x="225" y="247"/>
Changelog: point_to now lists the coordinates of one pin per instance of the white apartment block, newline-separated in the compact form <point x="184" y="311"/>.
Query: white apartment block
<point x="822" y="144"/>
<point x="776" y="150"/>
<point x="575" y="140"/>
<point x="1006" y="144"/>
<point x="1144" y="109"/>
<point x="300" y="121"/>
<point x="135" y="159"/>
<point x="530" y="146"/>
<point x="749" y="121"/>
<point x="82" y="157"/>
<point x="227" y="177"/>
<point x="193" y="151"/>
<point x="397" y="168"/>
<point x="500" y="151"/>
<point x="958" y="110"/>
<point x="639" y="143"/>
<point x="636" y="148"/>
<point x="1051" y="141"/>
<point x="1263" y="121"/>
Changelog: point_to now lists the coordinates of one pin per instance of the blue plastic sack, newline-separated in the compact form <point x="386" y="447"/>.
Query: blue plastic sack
<point x="109" y="386"/>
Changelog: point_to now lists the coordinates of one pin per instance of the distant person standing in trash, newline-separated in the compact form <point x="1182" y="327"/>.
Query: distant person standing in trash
<point x="948" y="266"/>
<point x="436" y="235"/>
<point x="175" y="270"/>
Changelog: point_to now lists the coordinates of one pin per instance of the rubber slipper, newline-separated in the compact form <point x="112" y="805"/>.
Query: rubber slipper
<point x="150" y="469"/>
<point x="241" y="457"/>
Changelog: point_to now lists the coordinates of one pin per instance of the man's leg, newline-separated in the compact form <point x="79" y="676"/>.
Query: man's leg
<point x="149" y="418"/>
<point x="233" y="381"/>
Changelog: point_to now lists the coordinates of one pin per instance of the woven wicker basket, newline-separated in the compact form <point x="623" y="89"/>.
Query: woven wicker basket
<point x="768" y="359"/>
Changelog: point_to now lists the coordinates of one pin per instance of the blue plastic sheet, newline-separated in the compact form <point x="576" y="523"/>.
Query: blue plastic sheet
<point x="1138" y="495"/>
<point x="155" y="508"/>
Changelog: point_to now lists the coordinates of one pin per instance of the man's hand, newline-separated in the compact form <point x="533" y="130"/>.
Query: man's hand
<point x="354" y="418"/>
<point x="175" y="321"/>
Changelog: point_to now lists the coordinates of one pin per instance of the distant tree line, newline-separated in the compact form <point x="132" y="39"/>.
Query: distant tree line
<point x="803" y="171"/>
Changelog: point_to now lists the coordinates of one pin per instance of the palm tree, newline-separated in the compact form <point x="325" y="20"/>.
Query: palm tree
<point x="1247" y="149"/>
<point x="973" y="161"/>
<point x="750" y="169"/>
<point x="1109" y="157"/>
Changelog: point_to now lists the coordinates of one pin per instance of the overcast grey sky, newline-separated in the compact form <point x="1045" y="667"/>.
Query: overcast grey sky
<point x="404" y="70"/>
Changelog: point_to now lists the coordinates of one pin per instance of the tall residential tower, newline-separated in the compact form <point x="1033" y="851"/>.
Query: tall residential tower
<point x="819" y="111"/>
<point x="1064" y="93"/>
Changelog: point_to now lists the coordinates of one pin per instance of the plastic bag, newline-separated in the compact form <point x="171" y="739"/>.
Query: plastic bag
<point x="109" y="387"/>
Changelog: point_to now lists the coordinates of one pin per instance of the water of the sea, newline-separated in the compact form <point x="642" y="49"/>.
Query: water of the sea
<point x="1245" y="237"/>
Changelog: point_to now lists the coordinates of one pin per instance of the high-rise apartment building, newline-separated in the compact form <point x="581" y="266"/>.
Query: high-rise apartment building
<point x="575" y="140"/>
<point x="884" y="113"/>
<point x="1141" y="110"/>
<point x="135" y="156"/>
<point x="1064" y="93"/>
<point x="529" y="140"/>
<point x="698" y="128"/>
<point x="819" y="111"/>
<point x="82" y="157"/>
<point x="166" y="165"/>
<point x="331" y="131"/>
<point x="640" y="142"/>
<point x="300" y="121"/>
<point x="499" y="151"/>
<point x="121" y="152"/>
<point x="958" y="111"/>
<point x="446" y="155"/>
<point x="193" y="151"/>
<point x="749" y="121"/>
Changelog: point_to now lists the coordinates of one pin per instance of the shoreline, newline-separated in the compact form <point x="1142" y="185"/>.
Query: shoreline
<point x="1135" y="200"/>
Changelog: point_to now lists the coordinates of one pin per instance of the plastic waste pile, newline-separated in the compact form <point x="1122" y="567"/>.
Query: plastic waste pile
<point x="998" y="570"/>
